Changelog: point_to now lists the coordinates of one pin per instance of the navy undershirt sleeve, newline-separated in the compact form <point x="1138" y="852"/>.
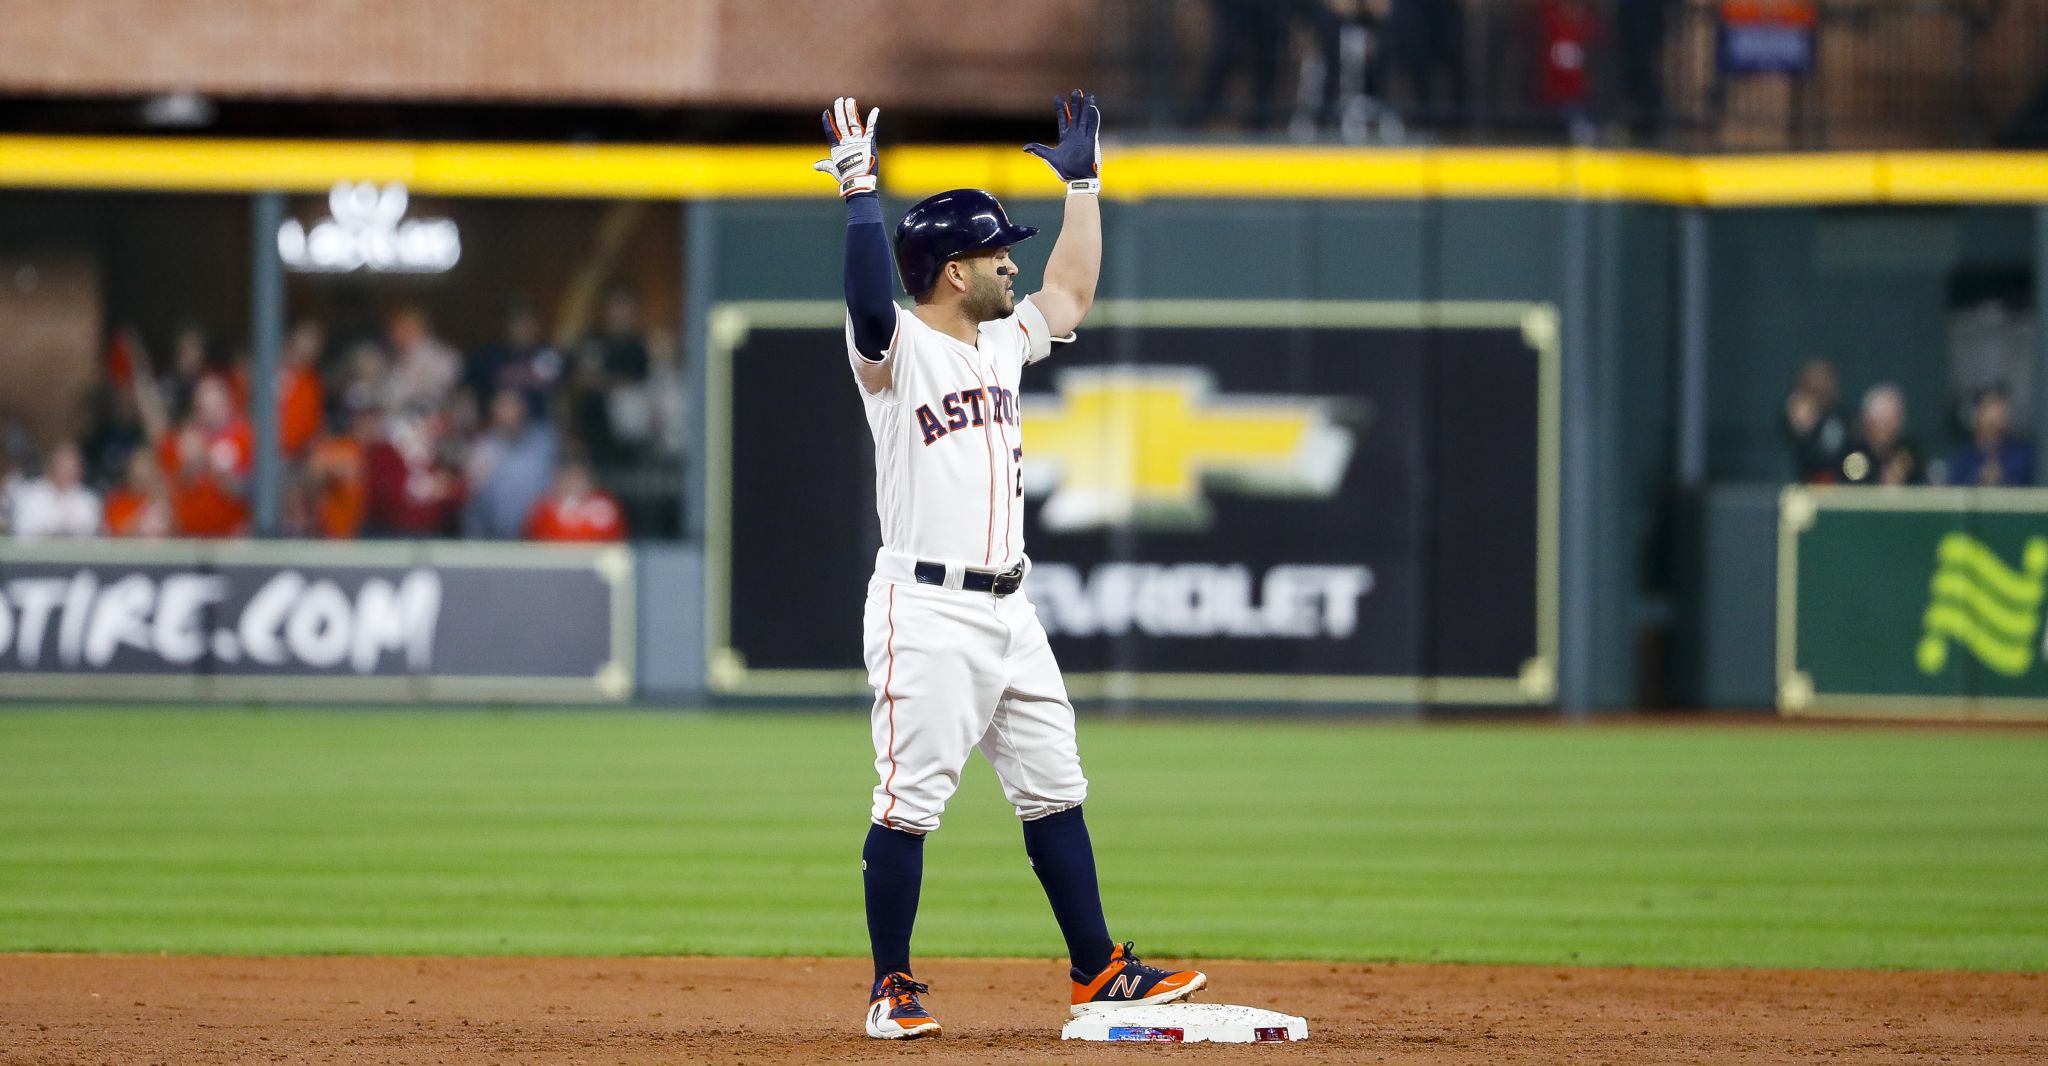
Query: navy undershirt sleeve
<point x="869" y="292"/>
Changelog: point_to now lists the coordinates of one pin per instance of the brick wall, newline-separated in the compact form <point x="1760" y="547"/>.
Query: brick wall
<point x="977" y="57"/>
<point x="49" y="335"/>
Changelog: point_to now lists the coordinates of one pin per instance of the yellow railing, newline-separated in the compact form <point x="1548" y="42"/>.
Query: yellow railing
<point x="1133" y="172"/>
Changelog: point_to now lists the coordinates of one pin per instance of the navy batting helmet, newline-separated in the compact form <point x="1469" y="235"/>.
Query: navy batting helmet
<point x="946" y="226"/>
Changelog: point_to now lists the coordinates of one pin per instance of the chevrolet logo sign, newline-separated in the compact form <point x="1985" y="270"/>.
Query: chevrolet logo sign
<point x="1129" y="446"/>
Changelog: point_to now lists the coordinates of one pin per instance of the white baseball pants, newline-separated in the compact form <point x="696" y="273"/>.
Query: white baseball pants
<point x="953" y="671"/>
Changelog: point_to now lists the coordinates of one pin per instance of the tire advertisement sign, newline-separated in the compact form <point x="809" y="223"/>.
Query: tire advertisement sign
<point x="1913" y="602"/>
<point x="315" y="621"/>
<point x="1341" y="502"/>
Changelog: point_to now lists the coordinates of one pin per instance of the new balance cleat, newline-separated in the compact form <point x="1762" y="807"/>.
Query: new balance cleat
<point x="1127" y="982"/>
<point x="894" y="1012"/>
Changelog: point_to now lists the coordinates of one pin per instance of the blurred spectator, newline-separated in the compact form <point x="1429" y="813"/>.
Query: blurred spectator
<point x="11" y="482"/>
<point x="1426" y="50"/>
<point x="424" y="368"/>
<point x="301" y="399"/>
<point x="1991" y="345"/>
<point x="173" y="452"/>
<point x="141" y="506"/>
<point x="118" y="432"/>
<point x="204" y="503"/>
<point x="1566" y="29"/>
<point x="57" y="504"/>
<point x="1992" y="457"/>
<point x="191" y="361"/>
<point x="17" y="451"/>
<point x="523" y="360"/>
<point x="616" y="407"/>
<point x="412" y="490"/>
<point x="208" y="461"/>
<point x="364" y="381"/>
<point x="1814" y="424"/>
<point x="509" y="469"/>
<point x="1881" y="455"/>
<point x="1639" y="48"/>
<point x="669" y="389"/>
<point x="337" y="475"/>
<point x="214" y="434"/>
<point x="575" y="509"/>
<point x="1248" y="36"/>
<point x="124" y="348"/>
<point x="1343" y="79"/>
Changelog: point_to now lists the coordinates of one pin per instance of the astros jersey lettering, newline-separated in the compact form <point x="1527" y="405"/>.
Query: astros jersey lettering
<point x="953" y="669"/>
<point x="949" y="438"/>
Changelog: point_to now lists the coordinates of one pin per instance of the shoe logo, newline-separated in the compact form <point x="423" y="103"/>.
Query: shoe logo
<point x="1125" y="986"/>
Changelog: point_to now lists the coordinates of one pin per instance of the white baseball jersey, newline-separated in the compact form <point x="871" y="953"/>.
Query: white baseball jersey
<point x="949" y="438"/>
<point x="955" y="670"/>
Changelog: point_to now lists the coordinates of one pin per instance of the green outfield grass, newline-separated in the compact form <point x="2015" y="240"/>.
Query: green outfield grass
<point x="599" y="833"/>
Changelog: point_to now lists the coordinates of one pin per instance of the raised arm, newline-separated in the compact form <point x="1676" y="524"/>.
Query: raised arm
<point x="1076" y="261"/>
<point x="870" y="303"/>
<point x="149" y="400"/>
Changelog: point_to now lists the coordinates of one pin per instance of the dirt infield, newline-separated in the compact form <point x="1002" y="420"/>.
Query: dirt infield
<point x="175" y="1009"/>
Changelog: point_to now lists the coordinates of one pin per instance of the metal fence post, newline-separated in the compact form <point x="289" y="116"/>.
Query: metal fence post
<point x="266" y="336"/>
<point x="1577" y="558"/>
<point x="700" y="285"/>
<point x="1693" y="324"/>
<point x="2040" y="339"/>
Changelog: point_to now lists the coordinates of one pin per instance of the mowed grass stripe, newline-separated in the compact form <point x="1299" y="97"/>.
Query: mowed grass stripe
<point x="609" y="832"/>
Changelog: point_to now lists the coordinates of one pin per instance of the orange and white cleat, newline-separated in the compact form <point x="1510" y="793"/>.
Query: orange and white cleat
<point x="1127" y="982"/>
<point x="894" y="1012"/>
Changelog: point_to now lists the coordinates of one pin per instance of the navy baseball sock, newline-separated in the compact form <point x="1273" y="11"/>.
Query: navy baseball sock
<point x="1064" y="861"/>
<point x="892" y="870"/>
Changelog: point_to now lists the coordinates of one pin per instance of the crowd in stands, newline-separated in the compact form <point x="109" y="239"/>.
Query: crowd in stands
<point x="1369" y="69"/>
<point x="1827" y="448"/>
<point x="391" y="436"/>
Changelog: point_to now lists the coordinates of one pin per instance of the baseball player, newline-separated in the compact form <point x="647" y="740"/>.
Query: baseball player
<point x="954" y="650"/>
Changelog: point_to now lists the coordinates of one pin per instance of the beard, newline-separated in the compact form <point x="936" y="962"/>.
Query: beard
<point x="987" y="300"/>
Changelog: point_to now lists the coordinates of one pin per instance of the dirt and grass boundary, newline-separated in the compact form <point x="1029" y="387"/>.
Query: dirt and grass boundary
<point x="364" y="1009"/>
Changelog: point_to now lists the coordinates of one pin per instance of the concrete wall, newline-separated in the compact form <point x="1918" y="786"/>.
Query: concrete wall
<point x="669" y="594"/>
<point x="781" y="53"/>
<point x="1724" y="636"/>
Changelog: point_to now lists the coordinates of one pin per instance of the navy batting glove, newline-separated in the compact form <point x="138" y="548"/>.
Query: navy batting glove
<point x="1077" y="158"/>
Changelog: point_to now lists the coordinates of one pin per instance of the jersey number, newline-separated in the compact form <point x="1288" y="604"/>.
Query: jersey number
<point x="1018" y="455"/>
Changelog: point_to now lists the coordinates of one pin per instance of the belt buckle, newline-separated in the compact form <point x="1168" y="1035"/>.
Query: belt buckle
<point x="1008" y="581"/>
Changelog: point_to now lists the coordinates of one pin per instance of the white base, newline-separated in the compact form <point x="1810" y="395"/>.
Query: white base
<point x="1188" y="1023"/>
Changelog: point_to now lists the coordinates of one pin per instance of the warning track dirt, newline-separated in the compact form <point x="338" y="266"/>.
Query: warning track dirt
<point x="192" y="1009"/>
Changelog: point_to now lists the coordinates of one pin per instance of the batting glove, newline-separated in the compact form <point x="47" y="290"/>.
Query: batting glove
<point x="853" y="147"/>
<point x="1077" y="159"/>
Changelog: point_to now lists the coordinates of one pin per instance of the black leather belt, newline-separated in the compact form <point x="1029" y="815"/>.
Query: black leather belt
<point x="990" y="581"/>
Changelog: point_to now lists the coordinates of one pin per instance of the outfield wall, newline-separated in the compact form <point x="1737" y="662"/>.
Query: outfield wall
<point x="1916" y="602"/>
<point x="264" y="621"/>
<point x="1683" y="293"/>
<point x="1301" y="255"/>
